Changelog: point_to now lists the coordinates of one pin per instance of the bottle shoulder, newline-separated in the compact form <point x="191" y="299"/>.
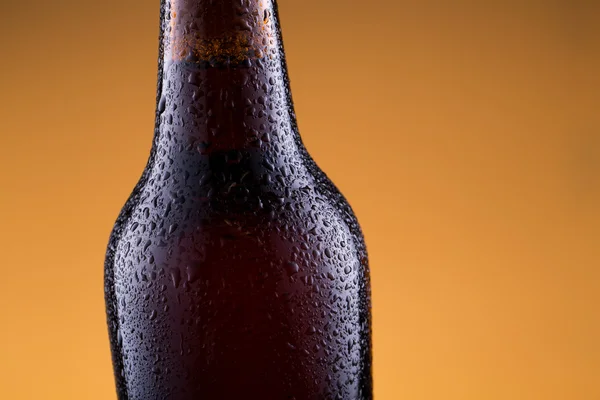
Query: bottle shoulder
<point x="270" y="203"/>
<point x="273" y="205"/>
<point x="253" y="200"/>
<point x="192" y="225"/>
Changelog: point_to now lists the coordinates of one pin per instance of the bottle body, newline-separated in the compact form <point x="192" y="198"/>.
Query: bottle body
<point x="236" y="269"/>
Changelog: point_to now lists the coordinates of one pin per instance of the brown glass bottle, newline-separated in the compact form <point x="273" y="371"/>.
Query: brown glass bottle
<point x="236" y="269"/>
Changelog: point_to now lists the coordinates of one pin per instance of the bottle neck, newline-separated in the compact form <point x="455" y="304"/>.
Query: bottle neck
<point x="224" y="30"/>
<point x="223" y="79"/>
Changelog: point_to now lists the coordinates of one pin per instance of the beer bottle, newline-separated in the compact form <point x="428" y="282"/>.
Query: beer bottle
<point x="236" y="269"/>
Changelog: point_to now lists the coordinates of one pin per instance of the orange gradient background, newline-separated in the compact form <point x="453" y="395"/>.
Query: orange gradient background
<point x="465" y="135"/>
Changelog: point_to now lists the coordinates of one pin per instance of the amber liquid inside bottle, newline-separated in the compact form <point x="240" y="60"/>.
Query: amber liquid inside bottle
<point x="236" y="270"/>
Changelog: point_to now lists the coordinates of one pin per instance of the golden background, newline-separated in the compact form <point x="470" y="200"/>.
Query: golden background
<point x="465" y="134"/>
